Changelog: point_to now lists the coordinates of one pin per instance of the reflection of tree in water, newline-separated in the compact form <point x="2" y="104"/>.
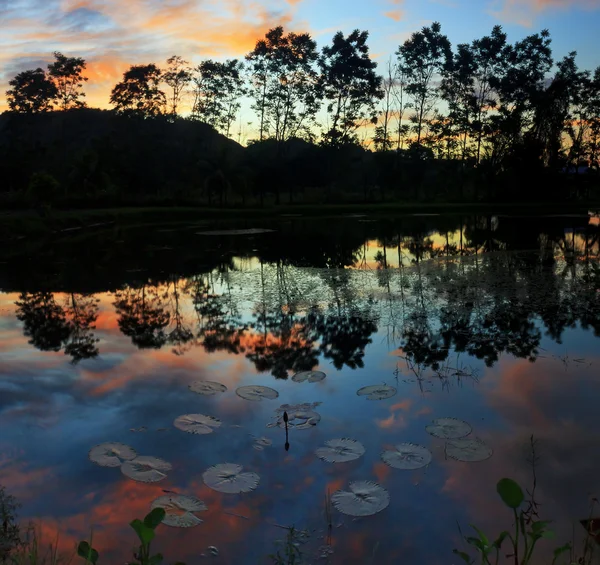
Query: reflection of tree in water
<point x="82" y="312"/>
<point x="44" y="320"/>
<point x="219" y="324"/>
<point x="52" y="327"/>
<point x="280" y="340"/>
<point x="142" y="316"/>
<point x="181" y="335"/>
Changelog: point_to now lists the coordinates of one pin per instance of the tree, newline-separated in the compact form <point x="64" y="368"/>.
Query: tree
<point x="67" y="74"/>
<point x="490" y="54"/>
<point x="32" y="92"/>
<point x="218" y="88"/>
<point x="285" y="84"/>
<point x="457" y="89"/>
<point x="177" y="76"/>
<point x="382" y="136"/>
<point x="139" y="93"/>
<point x="519" y="89"/>
<point x="350" y="84"/>
<point x="423" y="56"/>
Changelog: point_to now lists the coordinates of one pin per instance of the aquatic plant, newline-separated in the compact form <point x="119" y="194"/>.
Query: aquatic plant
<point x="448" y="428"/>
<point x="111" y="454"/>
<point x="364" y="498"/>
<point x="145" y="469"/>
<point x="197" y="424"/>
<point x="299" y="416"/>
<point x="340" y="450"/>
<point x="468" y="449"/>
<point x="256" y="393"/>
<point x="207" y="388"/>
<point x="229" y="478"/>
<point x="407" y="456"/>
<point x="524" y="539"/>
<point x="145" y="530"/>
<point x="180" y="510"/>
<point x="377" y="392"/>
<point x="309" y="376"/>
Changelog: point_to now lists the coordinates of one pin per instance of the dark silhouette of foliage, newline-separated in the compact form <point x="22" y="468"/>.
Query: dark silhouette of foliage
<point x="31" y="92"/>
<point x="218" y="89"/>
<point x="350" y="85"/>
<point x="177" y="76"/>
<point x="138" y="94"/>
<point x="422" y="57"/>
<point x="67" y="75"/>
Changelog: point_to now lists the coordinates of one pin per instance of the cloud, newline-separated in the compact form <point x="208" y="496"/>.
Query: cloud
<point x="524" y="12"/>
<point x="111" y="34"/>
<point x="396" y="14"/>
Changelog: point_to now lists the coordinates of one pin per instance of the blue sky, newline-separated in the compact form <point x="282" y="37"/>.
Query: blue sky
<point x="112" y="34"/>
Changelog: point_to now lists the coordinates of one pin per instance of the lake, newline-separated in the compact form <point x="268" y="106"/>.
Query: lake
<point x="111" y="333"/>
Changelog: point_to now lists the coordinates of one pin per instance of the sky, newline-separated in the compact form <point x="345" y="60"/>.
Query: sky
<point x="113" y="34"/>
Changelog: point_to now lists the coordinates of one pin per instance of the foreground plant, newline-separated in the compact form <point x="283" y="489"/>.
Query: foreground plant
<point x="145" y="530"/>
<point x="527" y="532"/>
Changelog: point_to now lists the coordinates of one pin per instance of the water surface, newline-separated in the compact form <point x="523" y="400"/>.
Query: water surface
<point x="493" y="320"/>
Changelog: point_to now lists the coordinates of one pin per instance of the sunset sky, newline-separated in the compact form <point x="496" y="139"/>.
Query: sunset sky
<point x="112" y="34"/>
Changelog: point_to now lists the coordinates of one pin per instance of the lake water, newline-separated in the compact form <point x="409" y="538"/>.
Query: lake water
<point x="491" y="320"/>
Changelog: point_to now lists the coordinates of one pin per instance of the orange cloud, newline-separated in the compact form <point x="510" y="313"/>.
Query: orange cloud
<point x="524" y="12"/>
<point x="395" y="15"/>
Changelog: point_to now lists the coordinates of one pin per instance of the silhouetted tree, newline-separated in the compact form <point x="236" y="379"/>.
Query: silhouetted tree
<point x="81" y="311"/>
<point x="67" y="74"/>
<point x="422" y="57"/>
<point x="218" y="89"/>
<point x="350" y="85"/>
<point x="139" y="93"/>
<point x="285" y="85"/>
<point x="177" y="76"/>
<point x="31" y="92"/>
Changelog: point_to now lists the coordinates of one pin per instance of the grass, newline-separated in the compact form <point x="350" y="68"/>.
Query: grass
<point x="33" y="550"/>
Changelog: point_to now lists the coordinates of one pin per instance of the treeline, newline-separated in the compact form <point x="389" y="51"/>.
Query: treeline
<point x="485" y="113"/>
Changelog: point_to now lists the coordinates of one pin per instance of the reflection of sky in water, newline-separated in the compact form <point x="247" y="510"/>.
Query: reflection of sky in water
<point x="52" y="412"/>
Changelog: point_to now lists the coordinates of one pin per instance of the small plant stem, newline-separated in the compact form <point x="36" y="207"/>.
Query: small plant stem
<point x="516" y="540"/>
<point x="524" y="534"/>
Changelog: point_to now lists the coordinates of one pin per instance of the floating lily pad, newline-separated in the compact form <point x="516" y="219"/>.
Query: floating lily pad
<point x="377" y="392"/>
<point x="471" y="450"/>
<point x="180" y="510"/>
<point x="207" y="388"/>
<point x="229" y="478"/>
<point x="111" y="454"/>
<point x="262" y="442"/>
<point x="448" y="428"/>
<point x="146" y="469"/>
<point x="256" y="393"/>
<point x="310" y="376"/>
<point x="364" y="498"/>
<point x="340" y="450"/>
<point x="197" y="424"/>
<point x="407" y="456"/>
<point x="300" y="416"/>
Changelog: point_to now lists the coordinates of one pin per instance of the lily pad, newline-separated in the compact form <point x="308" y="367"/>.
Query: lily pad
<point x="256" y="393"/>
<point x="407" y="456"/>
<point x="310" y="376"/>
<point x="197" y="424"/>
<point x="262" y="442"/>
<point x="364" y="498"/>
<point x="300" y="416"/>
<point x="471" y="450"/>
<point x="229" y="478"/>
<point x="207" y="388"/>
<point x="111" y="454"/>
<point x="180" y="510"/>
<point x="448" y="428"/>
<point x="340" y="450"/>
<point x="146" y="469"/>
<point x="377" y="392"/>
